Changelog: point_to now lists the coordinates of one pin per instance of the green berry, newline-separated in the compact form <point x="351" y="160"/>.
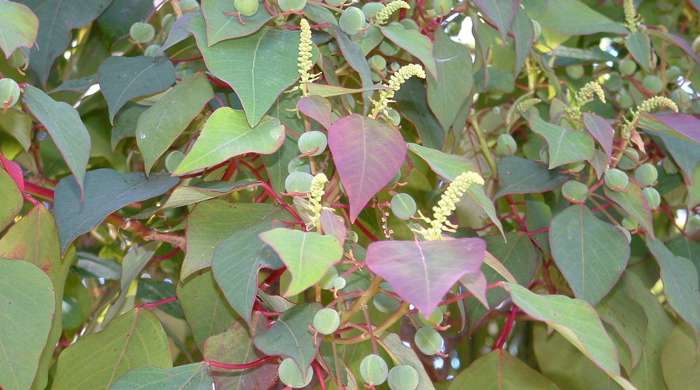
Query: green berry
<point x="575" y="71"/>
<point x="173" y="159"/>
<point x="574" y="191"/>
<point x="298" y="182"/>
<point x="312" y="143"/>
<point x="142" y="32"/>
<point x="652" y="197"/>
<point x="614" y="82"/>
<point x="326" y="281"/>
<point x="18" y="59"/>
<point x="377" y="62"/>
<point x="669" y="166"/>
<point x="428" y="340"/>
<point x="291" y="5"/>
<point x="352" y="20"/>
<point x="374" y="370"/>
<point x="616" y="179"/>
<point x="681" y="98"/>
<point x="435" y="318"/>
<point x="653" y="83"/>
<point x="506" y="145"/>
<point x="290" y="375"/>
<point x="673" y="72"/>
<point x="298" y="164"/>
<point x="629" y="160"/>
<point x="403" y="206"/>
<point x="627" y="67"/>
<point x="9" y="93"/>
<point x="152" y="50"/>
<point x="371" y="9"/>
<point x="624" y="99"/>
<point x="326" y="321"/>
<point x="646" y="174"/>
<point x="393" y="116"/>
<point x="629" y="224"/>
<point x="403" y="377"/>
<point x="247" y="7"/>
<point x="339" y="283"/>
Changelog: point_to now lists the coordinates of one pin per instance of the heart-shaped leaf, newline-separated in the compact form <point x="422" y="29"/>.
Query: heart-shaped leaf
<point x="601" y="130"/>
<point x="571" y="17"/>
<point x="564" y="145"/>
<point x="518" y="175"/>
<point x="367" y="154"/>
<point x="316" y="108"/>
<point x="18" y="27"/>
<point x="499" y="370"/>
<point x="189" y="376"/>
<point x="413" y="42"/>
<point x="422" y="272"/>
<point x="224" y="22"/>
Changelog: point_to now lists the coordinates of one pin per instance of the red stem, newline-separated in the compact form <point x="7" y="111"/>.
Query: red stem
<point x="155" y="304"/>
<point x="38" y="190"/>
<point x="319" y="374"/>
<point x="240" y="366"/>
<point x="507" y="328"/>
<point x="365" y="231"/>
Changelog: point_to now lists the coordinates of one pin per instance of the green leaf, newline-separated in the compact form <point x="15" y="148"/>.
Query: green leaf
<point x="106" y="191"/>
<point x="639" y="45"/>
<point x="189" y="195"/>
<point x="356" y="59"/>
<point x="448" y="92"/>
<point x="415" y="43"/>
<point x="18" y="27"/>
<point x="27" y="303"/>
<point x="65" y="127"/>
<point x="19" y="125"/>
<point x="590" y="253"/>
<point x="564" y="145"/>
<point x="571" y="17"/>
<point x="307" y="255"/>
<point x="633" y="203"/>
<point x="290" y="336"/>
<point x="124" y="78"/>
<point x="518" y="175"/>
<point x="213" y="221"/>
<point x="524" y="37"/>
<point x="412" y="101"/>
<point x="577" y="321"/>
<point x="277" y="164"/>
<point x="135" y="339"/>
<point x="10" y="199"/>
<point x="206" y="309"/>
<point x="193" y="376"/>
<point x="116" y="20"/>
<point x="680" y="359"/>
<point x="678" y="142"/>
<point x="160" y="125"/>
<point x="404" y="355"/>
<point x="245" y="64"/>
<point x="500" y="12"/>
<point x="226" y="134"/>
<point x="224" y="23"/>
<point x="125" y="124"/>
<point x="499" y="370"/>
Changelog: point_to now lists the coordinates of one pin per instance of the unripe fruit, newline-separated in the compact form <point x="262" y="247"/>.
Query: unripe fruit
<point x="326" y="321"/>
<point x="652" y="197"/>
<point x="142" y="32"/>
<point x="339" y="283"/>
<point x="575" y="71"/>
<point x="624" y="99"/>
<point x="298" y="182"/>
<point x="374" y="370"/>
<point x="653" y="83"/>
<point x="574" y="191"/>
<point x="312" y="143"/>
<point x="352" y="20"/>
<point x="9" y="93"/>
<point x="506" y="145"/>
<point x="290" y="375"/>
<point x="247" y="7"/>
<point x="393" y="116"/>
<point x="669" y="166"/>
<point x="646" y="174"/>
<point x="371" y="9"/>
<point x="291" y="5"/>
<point x="377" y="62"/>
<point x="616" y="179"/>
<point x="673" y="72"/>
<point x="403" y="377"/>
<point x="434" y="319"/>
<point x="18" y="59"/>
<point x="627" y="67"/>
<point x="682" y="99"/>
<point x="152" y="50"/>
<point x="614" y="82"/>
<point x="629" y="159"/>
<point x="298" y="164"/>
<point x="403" y="206"/>
<point x="428" y="340"/>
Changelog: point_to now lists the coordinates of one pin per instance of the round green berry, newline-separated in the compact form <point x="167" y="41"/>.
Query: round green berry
<point x="142" y="32"/>
<point x="290" y="375"/>
<point x="428" y="340"/>
<point x="291" y="5"/>
<point x="681" y="98"/>
<point x="651" y="195"/>
<point x="18" y="59"/>
<point x="312" y="143"/>
<point x="393" y="116"/>
<point x="673" y="72"/>
<point x="435" y="318"/>
<point x="326" y="321"/>
<point x="9" y="93"/>
<point x="298" y="182"/>
<point x="627" y="67"/>
<point x="575" y="71"/>
<point x="403" y="206"/>
<point x="352" y="20"/>
<point x="624" y="99"/>
<point x="506" y="145"/>
<point x="646" y="174"/>
<point x="372" y="9"/>
<point x="403" y="377"/>
<point x="298" y="164"/>
<point x="374" y="370"/>
<point x="669" y="166"/>
<point x="629" y="159"/>
<point x="614" y="82"/>
<point x="339" y="283"/>
<point x="653" y="83"/>
<point x="616" y="179"/>
<point x="247" y="7"/>
<point x="574" y="191"/>
<point x="153" y="50"/>
<point x="377" y="62"/>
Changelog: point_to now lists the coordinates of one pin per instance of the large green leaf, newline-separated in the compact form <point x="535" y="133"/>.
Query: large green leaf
<point x="247" y="64"/>
<point x="160" y="125"/>
<point x="18" y="27"/>
<point x="307" y="255"/>
<point x="590" y="253"/>
<point x="10" y="199"/>
<point x="227" y="134"/>
<point x="124" y="78"/>
<point x="518" y="175"/>
<point x="106" y="191"/>
<point x="223" y="21"/>
<point x="564" y="145"/>
<point x="27" y="303"/>
<point x="193" y="376"/>
<point x="499" y="370"/>
<point x="571" y="17"/>
<point x="680" y="360"/>
<point x="135" y="339"/>
<point x="65" y="127"/>
<point x="413" y="42"/>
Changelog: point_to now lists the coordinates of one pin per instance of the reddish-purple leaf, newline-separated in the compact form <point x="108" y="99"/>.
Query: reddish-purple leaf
<point x="367" y="154"/>
<point x="422" y="272"/>
<point x="476" y="285"/>
<point x="676" y="40"/>
<point x="601" y="130"/>
<point x="333" y="225"/>
<point x="316" y="108"/>
<point x="685" y="124"/>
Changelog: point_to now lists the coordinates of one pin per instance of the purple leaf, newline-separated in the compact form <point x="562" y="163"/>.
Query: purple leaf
<point x="367" y="154"/>
<point x="422" y="272"/>
<point x="678" y="41"/>
<point x="475" y="283"/>
<point x="601" y="130"/>
<point x="333" y="225"/>
<point x="685" y="124"/>
<point x="316" y="108"/>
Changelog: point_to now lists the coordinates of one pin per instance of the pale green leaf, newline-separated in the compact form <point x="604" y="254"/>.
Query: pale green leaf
<point x="499" y="370"/>
<point x="18" y="27"/>
<point x="564" y="145"/>
<point x="10" y="199"/>
<point x="193" y="376"/>
<point x="413" y="42"/>
<point x="223" y="21"/>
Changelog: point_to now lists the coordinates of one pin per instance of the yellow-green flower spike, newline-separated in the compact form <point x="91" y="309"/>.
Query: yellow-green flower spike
<point x="584" y="95"/>
<point x="395" y="82"/>
<point x="447" y="205"/>
<point x="632" y="20"/>
<point x="652" y="104"/>
<point x="383" y="16"/>
<point x="318" y="184"/>
<point x="304" y="61"/>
